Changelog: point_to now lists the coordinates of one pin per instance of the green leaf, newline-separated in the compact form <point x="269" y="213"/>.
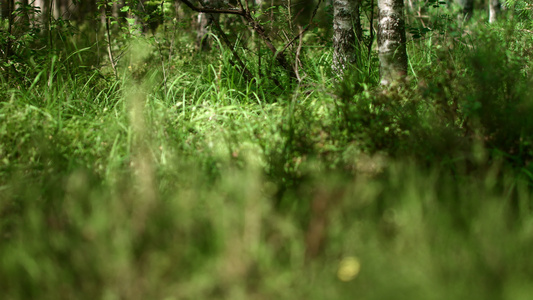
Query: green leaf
<point x="125" y="9"/>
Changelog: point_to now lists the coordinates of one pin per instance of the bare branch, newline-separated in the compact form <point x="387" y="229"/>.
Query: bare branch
<point x="109" y="51"/>
<point x="297" y="59"/>
<point x="280" y="57"/>
<point x="240" y="5"/>
<point x="206" y="10"/>
<point x="226" y="41"/>
<point x="303" y="30"/>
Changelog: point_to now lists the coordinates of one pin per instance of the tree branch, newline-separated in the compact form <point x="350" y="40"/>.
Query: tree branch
<point x="226" y="41"/>
<point x="213" y="10"/>
<point x="280" y="57"/>
<point x="303" y="30"/>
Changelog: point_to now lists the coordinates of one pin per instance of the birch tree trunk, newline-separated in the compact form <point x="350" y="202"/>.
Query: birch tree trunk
<point x="43" y="8"/>
<point x="204" y="23"/>
<point x="391" y="41"/>
<point x="494" y="10"/>
<point x="346" y="33"/>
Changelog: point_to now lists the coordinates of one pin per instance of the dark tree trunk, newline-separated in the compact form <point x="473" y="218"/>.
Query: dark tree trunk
<point x="468" y="9"/>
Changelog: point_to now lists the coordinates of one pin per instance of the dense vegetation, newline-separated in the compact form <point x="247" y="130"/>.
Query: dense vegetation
<point x="172" y="174"/>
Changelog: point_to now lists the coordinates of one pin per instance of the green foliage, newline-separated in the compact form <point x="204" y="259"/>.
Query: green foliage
<point x="522" y="9"/>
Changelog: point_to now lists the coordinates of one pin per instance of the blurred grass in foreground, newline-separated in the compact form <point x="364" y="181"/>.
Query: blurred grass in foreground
<point x="416" y="234"/>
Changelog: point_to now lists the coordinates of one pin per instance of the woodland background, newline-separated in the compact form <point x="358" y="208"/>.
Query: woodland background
<point x="150" y="152"/>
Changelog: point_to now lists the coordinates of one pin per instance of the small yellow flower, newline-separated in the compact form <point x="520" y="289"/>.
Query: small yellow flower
<point x="349" y="268"/>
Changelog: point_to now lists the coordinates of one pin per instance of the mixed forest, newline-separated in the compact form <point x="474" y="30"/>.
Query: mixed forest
<point x="274" y="149"/>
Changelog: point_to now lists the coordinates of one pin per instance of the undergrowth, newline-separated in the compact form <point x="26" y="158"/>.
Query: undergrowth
<point x="183" y="180"/>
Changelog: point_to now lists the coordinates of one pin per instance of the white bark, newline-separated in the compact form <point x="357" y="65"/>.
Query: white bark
<point x="494" y="10"/>
<point x="347" y="31"/>
<point x="391" y="41"/>
<point x="44" y="10"/>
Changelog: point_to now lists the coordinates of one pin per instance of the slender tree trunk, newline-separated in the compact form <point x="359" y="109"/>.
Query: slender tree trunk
<point x="86" y="9"/>
<point x="391" y="41"/>
<point x="204" y="24"/>
<point x="56" y="8"/>
<point x="23" y="4"/>
<point x="468" y="9"/>
<point x="11" y="25"/>
<point x="494" y="10"/>
<point x="43" y="6"/>
<point x="347" y="33"/>
<point x="4" y="9"/>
